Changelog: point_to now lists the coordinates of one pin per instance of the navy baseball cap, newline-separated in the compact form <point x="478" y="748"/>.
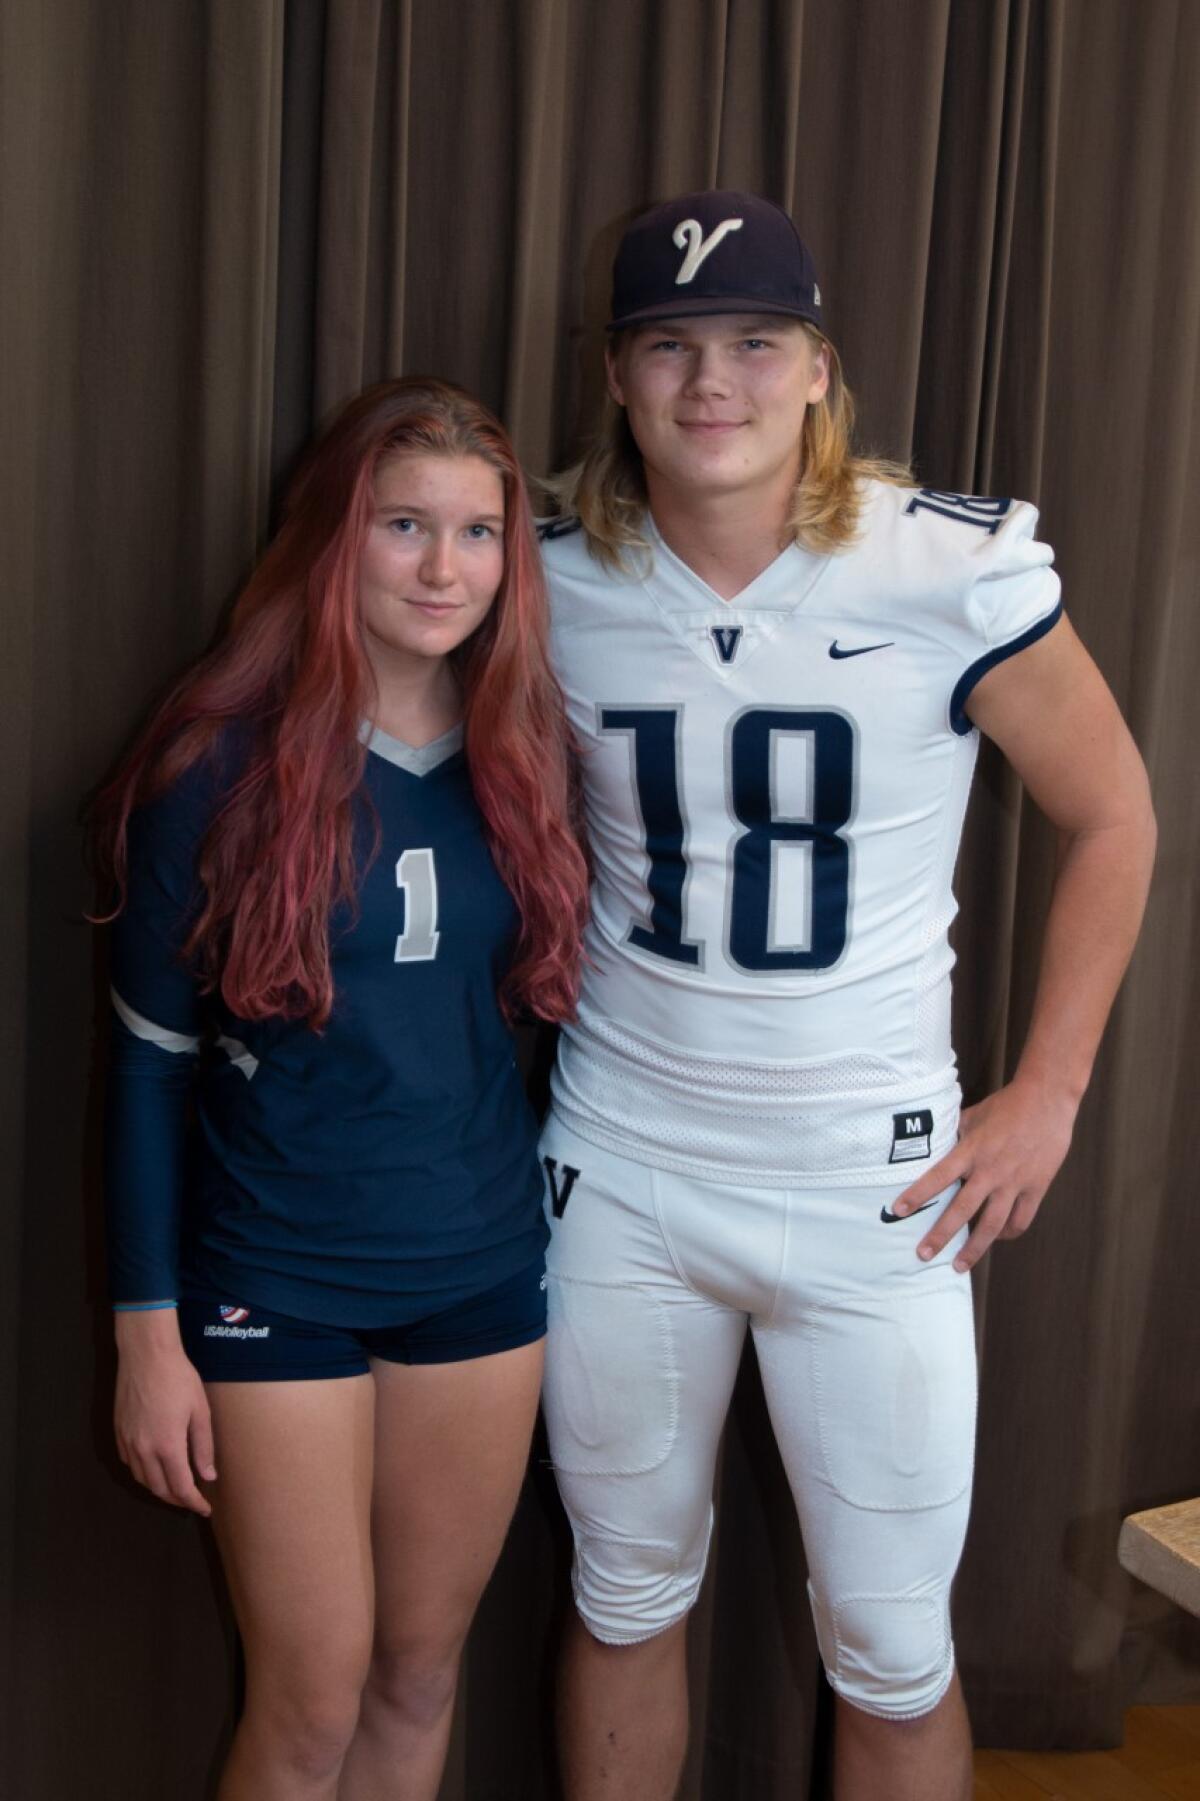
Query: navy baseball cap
<point x="715" y="252"/>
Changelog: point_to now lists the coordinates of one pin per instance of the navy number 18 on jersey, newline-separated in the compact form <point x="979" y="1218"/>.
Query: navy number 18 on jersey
<point x="751" y="747"/>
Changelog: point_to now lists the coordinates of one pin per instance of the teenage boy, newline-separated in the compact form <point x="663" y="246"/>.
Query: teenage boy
<point x="778" y="659"/>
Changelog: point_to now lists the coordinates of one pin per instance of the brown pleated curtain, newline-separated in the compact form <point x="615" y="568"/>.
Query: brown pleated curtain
<point x="218" y="220"/>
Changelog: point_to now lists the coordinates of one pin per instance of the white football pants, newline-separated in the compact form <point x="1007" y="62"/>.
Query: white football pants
<point x="867" y="1358"/>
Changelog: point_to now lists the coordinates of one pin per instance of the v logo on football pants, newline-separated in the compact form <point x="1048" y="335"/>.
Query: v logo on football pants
<point x="559" y="1196"/>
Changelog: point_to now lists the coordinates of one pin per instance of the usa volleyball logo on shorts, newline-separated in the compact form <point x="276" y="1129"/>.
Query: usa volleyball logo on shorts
<point x="233" y="1324"/>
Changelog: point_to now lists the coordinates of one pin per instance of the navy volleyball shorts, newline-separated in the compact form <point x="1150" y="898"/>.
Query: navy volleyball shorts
<point x="229" y="1342"/>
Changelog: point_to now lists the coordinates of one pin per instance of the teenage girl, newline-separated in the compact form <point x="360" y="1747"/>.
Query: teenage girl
<point x="341" y="858"/>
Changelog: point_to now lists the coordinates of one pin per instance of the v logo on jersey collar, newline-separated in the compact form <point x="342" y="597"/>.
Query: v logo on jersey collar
<point x="706" y="622"/>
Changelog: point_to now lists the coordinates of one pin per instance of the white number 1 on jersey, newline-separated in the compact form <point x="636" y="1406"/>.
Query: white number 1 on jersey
<point x="417" y="880"/>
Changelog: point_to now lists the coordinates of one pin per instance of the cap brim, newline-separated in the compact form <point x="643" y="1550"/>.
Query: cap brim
<point x="698" y="307"/>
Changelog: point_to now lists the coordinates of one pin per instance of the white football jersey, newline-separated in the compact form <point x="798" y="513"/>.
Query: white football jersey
<point x="775" y="789"/>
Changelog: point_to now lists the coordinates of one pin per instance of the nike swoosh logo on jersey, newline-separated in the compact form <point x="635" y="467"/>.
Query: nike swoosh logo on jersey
<point x="891" y="1219"/>
<point x="861" y="651"/>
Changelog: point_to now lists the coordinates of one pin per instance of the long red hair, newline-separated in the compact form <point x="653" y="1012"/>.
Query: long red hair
<point x="292" y="669"/>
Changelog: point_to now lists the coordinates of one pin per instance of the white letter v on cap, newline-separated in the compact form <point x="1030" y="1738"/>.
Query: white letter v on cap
<point x="691" y="233"/>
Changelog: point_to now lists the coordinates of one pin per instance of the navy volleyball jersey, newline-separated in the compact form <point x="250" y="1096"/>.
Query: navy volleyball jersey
<point x="381" y="1169"/>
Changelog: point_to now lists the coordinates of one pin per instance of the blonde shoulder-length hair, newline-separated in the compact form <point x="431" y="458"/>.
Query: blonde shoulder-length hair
<point x="606" y="489"/>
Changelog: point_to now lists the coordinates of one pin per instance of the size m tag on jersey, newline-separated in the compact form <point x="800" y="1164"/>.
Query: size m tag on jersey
<point x="911" y="1135"/>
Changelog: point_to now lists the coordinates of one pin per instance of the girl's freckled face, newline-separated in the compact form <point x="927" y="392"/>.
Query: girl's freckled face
<point x="434" y="555"/>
